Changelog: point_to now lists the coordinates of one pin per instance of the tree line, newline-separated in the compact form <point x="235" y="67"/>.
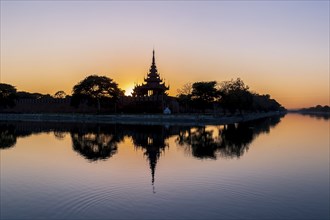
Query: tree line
<point x="93" y="90"/>
<point x="228" y="96"/>
<point x="316" y="109"/>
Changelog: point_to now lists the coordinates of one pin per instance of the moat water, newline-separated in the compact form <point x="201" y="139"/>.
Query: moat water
<point x="274" y="168"/>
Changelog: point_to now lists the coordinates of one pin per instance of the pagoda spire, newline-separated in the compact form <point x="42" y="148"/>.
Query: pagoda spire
<point x="153" y="85"/>
<point x="153" y="73"/>
<point x="153" y="57"/>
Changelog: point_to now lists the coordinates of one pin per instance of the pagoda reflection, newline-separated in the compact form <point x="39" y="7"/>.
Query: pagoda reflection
<point x="152" y="139"/>
<point x="96" y="142"/>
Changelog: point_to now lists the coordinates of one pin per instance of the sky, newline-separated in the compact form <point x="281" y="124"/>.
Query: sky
<point x="279" y="48"/>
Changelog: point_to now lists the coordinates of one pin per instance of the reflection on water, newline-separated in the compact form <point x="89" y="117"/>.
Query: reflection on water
<point x="152" y="139"/>
<point x="99" y="142"/>
<point x="325" y="116"/>
<point x="7" y="136"/>
<point x="102" y="171"/>
<point x="231" y="140"/>
<point x="96" y="142"/>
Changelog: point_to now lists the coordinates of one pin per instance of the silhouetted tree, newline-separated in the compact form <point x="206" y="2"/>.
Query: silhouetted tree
<point x="60" y="95"/>
<point x="317" y="109"/>
<point x="186" y="89"/>
<point x="184" y="96"/>
<point x="204" y="94"/>
<point x="232" y="95"/>
<point x="28" y="95"/>
<point x="95" y="89"/>
<point x="7" y="95"/>
<point x="235" y="95"/>
<point x="265" y="103"/>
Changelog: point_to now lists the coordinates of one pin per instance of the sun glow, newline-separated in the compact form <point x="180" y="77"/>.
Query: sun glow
<point x="129" y="90"/>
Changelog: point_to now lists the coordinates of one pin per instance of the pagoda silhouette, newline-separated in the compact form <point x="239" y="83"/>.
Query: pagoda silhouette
<point x="153" y="85"/>
<point x="150" y="96"/>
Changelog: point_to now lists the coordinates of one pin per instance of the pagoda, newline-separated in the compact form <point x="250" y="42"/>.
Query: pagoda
<point x="153" y="85"/>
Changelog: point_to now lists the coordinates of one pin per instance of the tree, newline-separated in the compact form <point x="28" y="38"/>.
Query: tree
<point x="204" y="93"/>
<point x="60" y="95"/>
<point x="265" y="103"/>
<point x="7" y="95"/>
<point x="184" y="95"/>
<point x="235" y="95"/>
<point x="95" y="89"/>
<point x="27" y="95"/>
<point x="185" y="90"/>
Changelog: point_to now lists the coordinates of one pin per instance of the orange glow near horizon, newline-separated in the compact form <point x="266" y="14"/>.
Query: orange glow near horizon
<point x="129" y="90"/>
<point x="276" y="48"/>
<point x="309" y="92"/>
<point x="290" y="96"/>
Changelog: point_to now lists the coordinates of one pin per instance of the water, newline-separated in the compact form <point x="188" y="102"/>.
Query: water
<point x="275" y="168"/>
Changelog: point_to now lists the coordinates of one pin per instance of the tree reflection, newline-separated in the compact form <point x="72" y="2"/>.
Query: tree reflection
<point x="96" y="144"/>
<point x="200" y="141"/>
<point x="324" y="116"/>
<point x="9" y="132"/>
<point x="235" y="139"/>
<point x="229" y="141"/>
<point x="100" y="142"/>
<point x="7" y="136"/>
<point x="60" y="135"/>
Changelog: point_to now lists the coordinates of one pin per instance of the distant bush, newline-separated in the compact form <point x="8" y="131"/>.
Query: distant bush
<point x="317" y="108"/>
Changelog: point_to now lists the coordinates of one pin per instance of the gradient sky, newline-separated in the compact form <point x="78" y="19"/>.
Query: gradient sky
<point x="278" y="48"/>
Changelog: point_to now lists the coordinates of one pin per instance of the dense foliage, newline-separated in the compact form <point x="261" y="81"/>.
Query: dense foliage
<point x="203" y="94"/>
<point x="231" y="96"/>
<point x="96" y="90"/>
<point x="318" y="108"/>
<point x="7" y="95"/>
<point x="102" y="92"/>
<point x="28" y="95"/>
<point x="60" y="95"/>
<point x="235" y="95"/>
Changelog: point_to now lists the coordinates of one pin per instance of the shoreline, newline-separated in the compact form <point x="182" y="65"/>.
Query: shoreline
<point x="309" y="112"/>
<point x="175" y="119"/>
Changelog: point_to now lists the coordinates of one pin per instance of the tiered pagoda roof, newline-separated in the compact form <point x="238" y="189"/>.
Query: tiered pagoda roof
<point x="153" y="85"/>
